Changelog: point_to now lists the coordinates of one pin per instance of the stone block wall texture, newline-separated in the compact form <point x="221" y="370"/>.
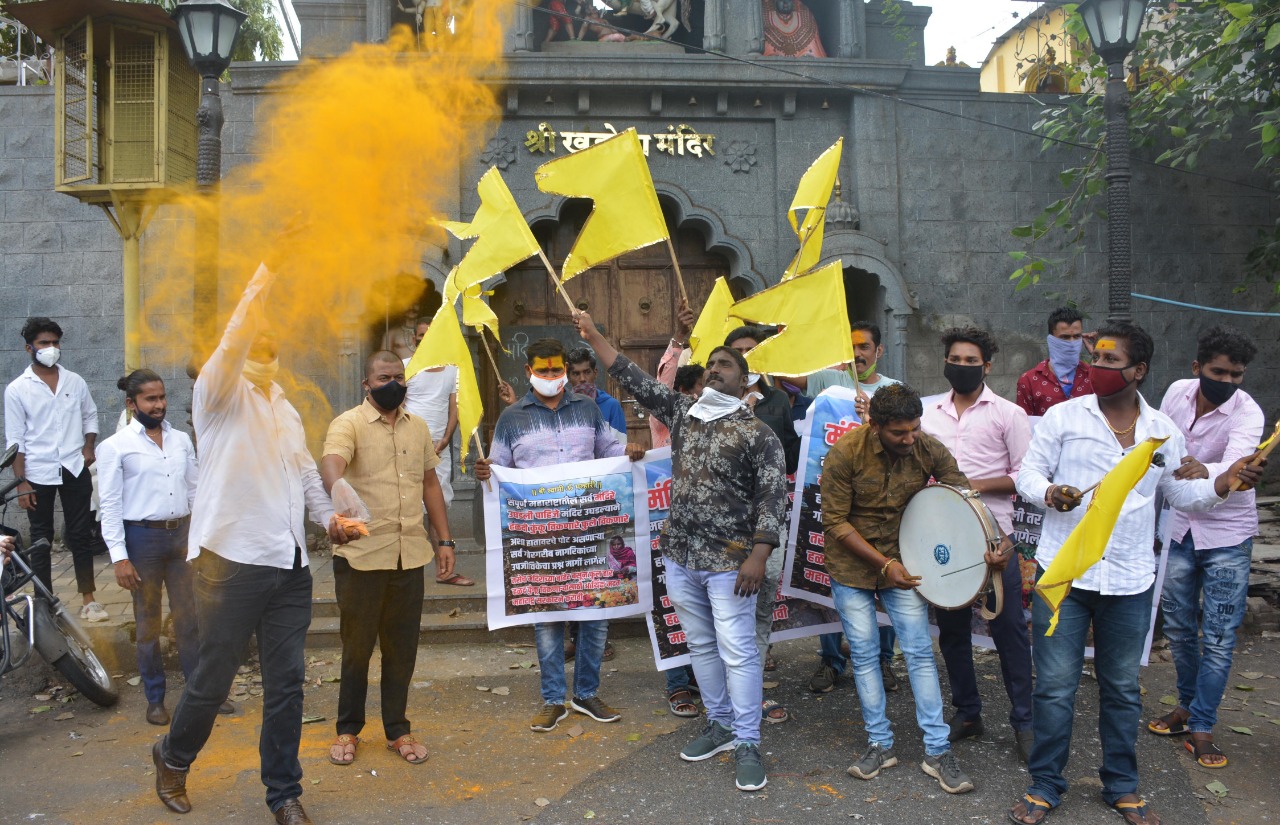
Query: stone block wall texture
<point x="937" y="178"/>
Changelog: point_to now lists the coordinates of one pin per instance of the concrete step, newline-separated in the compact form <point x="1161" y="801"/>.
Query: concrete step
<point x="467" y="600"/>
<point x="465" y="628"/>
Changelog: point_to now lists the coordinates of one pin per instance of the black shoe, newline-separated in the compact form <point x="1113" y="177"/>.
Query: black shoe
<point x="1026" y="740"/>
<point x="887" y="675"/>
<point x="227" y="708"/>
<point x="156" y="714"/>
<point x="291" y="813"/>
<point x="964" y="728"/>
<point x="823" y="679"/>
<point x="171" y="785"/>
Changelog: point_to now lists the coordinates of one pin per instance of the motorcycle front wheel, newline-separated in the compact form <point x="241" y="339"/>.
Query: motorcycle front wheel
<point x="80" y="664"/>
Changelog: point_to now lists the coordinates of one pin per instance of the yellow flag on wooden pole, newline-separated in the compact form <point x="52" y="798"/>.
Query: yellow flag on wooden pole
<point x="813" y="193"/>
<point x="1084" y="547"/>
<point x="442" y="346"/>
<point x="811" y="309"/>
<point x="713" y="323"/>
<point x="503" y="237"/>
<point x="626" y="214"/>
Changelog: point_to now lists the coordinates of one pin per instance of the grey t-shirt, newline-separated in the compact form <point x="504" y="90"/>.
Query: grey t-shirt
<point x="826" y="379"/>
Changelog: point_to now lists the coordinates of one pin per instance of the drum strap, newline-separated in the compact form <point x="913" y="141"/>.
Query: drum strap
<point x="997" y="584"/>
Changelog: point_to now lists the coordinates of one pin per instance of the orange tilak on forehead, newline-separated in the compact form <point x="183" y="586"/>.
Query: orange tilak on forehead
<point x="859" y="338"/>
<point x="555" y="362"/>
<point x="1105" y="343"/>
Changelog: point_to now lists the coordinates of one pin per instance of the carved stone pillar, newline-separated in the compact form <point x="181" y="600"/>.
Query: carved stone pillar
<point x="852" y="26"/>
<point x="520" y="36"/>
<point x="713" y="36"/>
<point x="755" y="26"/>
<point x="898" y="356"/>
<point x="377" y="19"/>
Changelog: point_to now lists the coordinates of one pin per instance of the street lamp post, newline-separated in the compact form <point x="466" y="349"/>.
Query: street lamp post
<point x="1113" y="27"/>
<point x="209" y="30"/>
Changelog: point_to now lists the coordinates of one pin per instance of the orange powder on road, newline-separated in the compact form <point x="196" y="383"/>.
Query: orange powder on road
<point x="361" y="152"/>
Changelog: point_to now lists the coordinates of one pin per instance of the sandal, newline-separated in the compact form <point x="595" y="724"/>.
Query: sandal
<point x="770" y="664"/>
<point x="1138" y="809"/>
<point x="407" y="741"/>
<point x="1171" y="724"/>
<point x="767" y="710"/>
<point x="1200" y="748"/>
<point x="456" y="579"/>
<point x="338" y="753"/>
<point x="1030" y="810"/>
<point x="681" y="703"/>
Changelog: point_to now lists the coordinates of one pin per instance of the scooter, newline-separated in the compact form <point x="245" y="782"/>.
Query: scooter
<point x="40" y="622"/>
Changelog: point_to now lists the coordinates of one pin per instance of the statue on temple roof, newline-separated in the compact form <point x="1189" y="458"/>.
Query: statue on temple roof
<point x="791" y="30"/>
<point x="951" y="62"/>
<point x="661" y="12"/>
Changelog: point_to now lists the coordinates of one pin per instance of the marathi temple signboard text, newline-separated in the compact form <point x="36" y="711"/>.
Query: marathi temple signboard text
<point x="677" y="140"/>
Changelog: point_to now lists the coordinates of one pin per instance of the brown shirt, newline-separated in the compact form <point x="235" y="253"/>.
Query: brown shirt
<point x="865" y="489"/>
<point x="385" y="466"/>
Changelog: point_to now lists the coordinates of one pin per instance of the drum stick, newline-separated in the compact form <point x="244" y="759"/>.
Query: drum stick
<point x="1264" y="450"/>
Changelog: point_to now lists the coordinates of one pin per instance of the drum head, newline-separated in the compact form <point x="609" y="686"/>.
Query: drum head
<point x="943" y="541"/>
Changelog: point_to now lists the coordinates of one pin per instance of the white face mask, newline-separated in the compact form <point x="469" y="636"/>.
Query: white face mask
<point x="261" y="375"/>
<point x="48" y="356"/>
<point x="713" y="404"/>
<point x="548" y="387"/>
<point x="752" y="378"/>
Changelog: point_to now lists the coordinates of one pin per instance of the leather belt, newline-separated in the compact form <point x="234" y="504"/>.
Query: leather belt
<point x="168" y="524"/>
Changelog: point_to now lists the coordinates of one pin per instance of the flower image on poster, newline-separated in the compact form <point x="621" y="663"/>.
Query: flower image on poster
<point x="565" y="543"/>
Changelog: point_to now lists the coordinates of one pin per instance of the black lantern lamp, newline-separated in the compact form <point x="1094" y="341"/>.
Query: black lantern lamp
<point x="209" y="29"/>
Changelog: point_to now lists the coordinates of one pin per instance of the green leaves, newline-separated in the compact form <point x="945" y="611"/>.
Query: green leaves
<point x="1273" y="37"/>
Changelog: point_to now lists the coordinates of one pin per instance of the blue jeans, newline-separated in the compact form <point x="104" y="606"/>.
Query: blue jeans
<point x="1221" y="576"/>
<point x="1120" y="626"/>
<point x="235" y="601"/>
<point x="721" y="632"/>
<point x="160" y="557"/>
<point x="678" y="678"/>
<point x="829" y="648"/>
<point x="586" y="660"/>
<point x="910" y="616"/>
<point x="1009" y="632"/>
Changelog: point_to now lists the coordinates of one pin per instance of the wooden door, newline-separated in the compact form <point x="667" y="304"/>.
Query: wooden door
<point x="633" y="299"/>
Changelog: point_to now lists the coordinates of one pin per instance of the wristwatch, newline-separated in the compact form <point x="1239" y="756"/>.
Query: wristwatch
<point x="447" y="543"/>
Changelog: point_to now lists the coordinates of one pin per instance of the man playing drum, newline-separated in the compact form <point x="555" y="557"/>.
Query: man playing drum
<point x="1074" y="445"/>
<point x="867" y="480"/>
<point x="988" y="435"/>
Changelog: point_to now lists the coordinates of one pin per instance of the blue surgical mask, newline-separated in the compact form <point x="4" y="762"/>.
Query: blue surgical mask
<point x="1064" y="357"/>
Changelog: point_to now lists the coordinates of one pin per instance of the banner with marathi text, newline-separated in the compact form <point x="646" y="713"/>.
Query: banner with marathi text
<point x="565" y="543"/>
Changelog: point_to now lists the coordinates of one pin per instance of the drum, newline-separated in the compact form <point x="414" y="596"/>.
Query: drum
<point x="944" y="535"/>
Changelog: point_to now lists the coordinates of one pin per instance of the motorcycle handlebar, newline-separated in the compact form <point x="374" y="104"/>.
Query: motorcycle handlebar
<point x="9" y="488"/>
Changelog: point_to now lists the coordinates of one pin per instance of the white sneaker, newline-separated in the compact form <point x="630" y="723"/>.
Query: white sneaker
<point x="94" y="612"/>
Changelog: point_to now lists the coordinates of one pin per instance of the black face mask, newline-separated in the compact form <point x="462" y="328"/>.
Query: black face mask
<point x="964" y="378"/>
<point x="1217" y="392"/>
<point x="389" y="396"/>
<point x="147" y="422"/>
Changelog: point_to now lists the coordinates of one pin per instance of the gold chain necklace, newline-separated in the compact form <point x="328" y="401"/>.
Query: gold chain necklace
<point x="1126" y="430"/>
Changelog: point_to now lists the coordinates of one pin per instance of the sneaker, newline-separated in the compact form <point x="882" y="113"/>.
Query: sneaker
<point x="823" y="679"/>
<point x="715" y="738"/>
<point x="595" y="708"/>
<point x="961" y="728"/>
<point x="886" y="674"/>
<point x="548" y="718"/>
<point x="872" y="761"/>
<point x="946" y="769"/>
<point x="750" y="776"/>
<point x="94" y="612"/>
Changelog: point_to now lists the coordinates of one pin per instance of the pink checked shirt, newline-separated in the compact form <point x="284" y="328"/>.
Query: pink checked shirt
<point x="989" y="440"/>
<point x="1219" y="438"/>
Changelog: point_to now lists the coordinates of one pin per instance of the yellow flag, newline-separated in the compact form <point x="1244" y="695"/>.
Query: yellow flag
<point x="443" y="345"/>
<point x="476" y="313"/>
<point x="503" y="238"/>
<point x="626" y="214"/>
<point x="713" y="323"/>
<point x="811" y="308"/>
<point x="813" y="193"/>
<point x="1084" y="547"/>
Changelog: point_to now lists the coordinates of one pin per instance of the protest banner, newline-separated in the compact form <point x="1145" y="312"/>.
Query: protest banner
<point x="565" y="542"/>
<point x="792" y="618"/>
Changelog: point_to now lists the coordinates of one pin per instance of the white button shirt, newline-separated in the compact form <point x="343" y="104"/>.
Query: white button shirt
<point x="49" y="426"/>
<point x="1073" y="445"/>
<point x="256" y="474"/>
<point x="139" y="481"/>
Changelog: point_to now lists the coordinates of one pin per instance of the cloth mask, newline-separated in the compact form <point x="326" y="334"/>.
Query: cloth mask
<point x="586" y="388"/>
<point x="389" y="396"/>
<point x="261" y="375"/>
<point x="1107" y="381"/>
<point x="548" y="387"/>
<point x="868" y="372"/>
<point x="1217" y="393"/>
<point x="713" y="404"/>
<point x="147" y="422"/>
<point x="48" y="356"/>
<point x="1064" y="357"/>
<point x="752" y="378"/>
<point x="964" y="378"/>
